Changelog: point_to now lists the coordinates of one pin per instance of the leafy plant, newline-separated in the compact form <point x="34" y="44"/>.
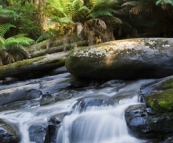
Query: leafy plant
<point x="27" y="20"/>
<point x="4" y="28"/>
<point x="6" y="13"/>
<point x="102" y="7"/>
<point x="12" y="48"/>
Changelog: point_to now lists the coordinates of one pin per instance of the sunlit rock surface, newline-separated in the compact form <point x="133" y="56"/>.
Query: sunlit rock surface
<point x="124" y="59"/>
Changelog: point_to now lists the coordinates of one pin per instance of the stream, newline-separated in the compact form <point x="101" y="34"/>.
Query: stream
<point x="93" y="112"/>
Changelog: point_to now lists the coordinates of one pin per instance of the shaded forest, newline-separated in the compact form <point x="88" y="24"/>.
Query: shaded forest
<point x="27" y="22"/>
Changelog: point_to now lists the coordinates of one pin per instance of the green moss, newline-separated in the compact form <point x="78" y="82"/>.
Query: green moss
<point x="167" y="84"/>
<point x="161" y="102"/>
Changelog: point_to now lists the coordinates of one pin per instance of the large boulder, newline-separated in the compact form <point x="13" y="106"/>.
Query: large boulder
<point x="124" y="59"/>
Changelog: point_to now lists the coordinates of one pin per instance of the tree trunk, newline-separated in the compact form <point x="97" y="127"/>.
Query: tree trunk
<point x="35" y="65"/>
<point x="57" y="49"/>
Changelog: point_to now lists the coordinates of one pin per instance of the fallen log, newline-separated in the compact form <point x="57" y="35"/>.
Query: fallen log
<point x="57" y="49"/>
<point x="34" y="65"/>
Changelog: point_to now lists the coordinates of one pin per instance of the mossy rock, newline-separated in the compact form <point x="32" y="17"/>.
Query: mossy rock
<point x="168" y="84"/>
<point x="124" y="59"/>
<point x="161" y="102"/>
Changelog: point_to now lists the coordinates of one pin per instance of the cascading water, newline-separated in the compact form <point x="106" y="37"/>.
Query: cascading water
<point x="103" y="123"/>
<point x="97" y="125"/>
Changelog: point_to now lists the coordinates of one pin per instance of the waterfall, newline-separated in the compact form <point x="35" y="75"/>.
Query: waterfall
<point x="97" y="125"/>
<point x="100" y="123"/>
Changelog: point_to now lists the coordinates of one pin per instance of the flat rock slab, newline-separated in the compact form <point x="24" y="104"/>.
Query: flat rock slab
<point x="124" y="59"/>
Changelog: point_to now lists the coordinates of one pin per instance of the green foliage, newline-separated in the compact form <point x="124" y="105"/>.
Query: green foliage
<point x="46" y="35"/>
<point x="4" y="28"/>
<point x="6" y="13"/>
<point x="12" y="46"/>
<point x="102" y="7"/>
<point x="17" y="42"/>
<point x="164" y="2"/>
<point x="27" y="18"/>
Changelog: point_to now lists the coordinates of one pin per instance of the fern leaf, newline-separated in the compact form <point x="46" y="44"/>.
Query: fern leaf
<point x="4" y="28"/>
<point x="77" y="4"/>
<point x="44" y="36"/>
<point x="65" y="20"/>
<point x="5" y="13"/>
<point x="2" y="43"/>
<point x="102" y="12"/>
<point x="164" y="2"/>
<point x="81" y="14"/>
<point x="131" y="3"/>
<point x="14" y="42"/>
<point x="103" y="7"/>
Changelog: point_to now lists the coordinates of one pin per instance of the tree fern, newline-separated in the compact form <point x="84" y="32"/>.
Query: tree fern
<point x="6" y="13"/>
<point x="17" y="41"/>
<point x="81" y="14"/>
<point x="102" y="7"/>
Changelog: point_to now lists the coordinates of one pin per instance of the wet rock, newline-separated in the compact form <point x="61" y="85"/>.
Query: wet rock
<point x="26" y="104"/>
<point x="137" y="120"/>
<point x="9" y="80"/>
<point x="162" y="123"/>
<point x="19" y="94"/>
<point x="7" y="133"/>
<point x="156" y="85"/>
<point x="168" y="140"/>
<point x="124" y="59"/>
<point x="58" y="71"/>
<point x="45" y="90"/>
<point x="84" y="103"/>
<point x="53" y="126"/>
<point x="37" y="133"/>
<point x="145" y="123"/>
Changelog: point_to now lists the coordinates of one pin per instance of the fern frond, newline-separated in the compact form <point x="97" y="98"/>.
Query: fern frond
<point x="58" y="10"/>
<point x="5" y="13"/>
<point x="131" y="3"/>
<point x="2" y="43"/>
<point x="77" y="4"/>
<point x="4" y="28"/>
<point x="81" y="14"/>
<point x="15" y="41"/>
<point x="144" y="7"/>
<point x="44" y="36"/>
<point x="164" y="2"/>
<point x="106" y="11"/>
<point x="102" y="7"/>
<point x="64" y="20"/>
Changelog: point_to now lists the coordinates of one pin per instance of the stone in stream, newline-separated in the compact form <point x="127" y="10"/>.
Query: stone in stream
<point x="53" y="126"/>
<point x="37" y="133"/>
<point x="7" y="133"/>
<point x="124" y="59"/>
<point x="154" y="118"/>
<point x="86" y="102"/>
